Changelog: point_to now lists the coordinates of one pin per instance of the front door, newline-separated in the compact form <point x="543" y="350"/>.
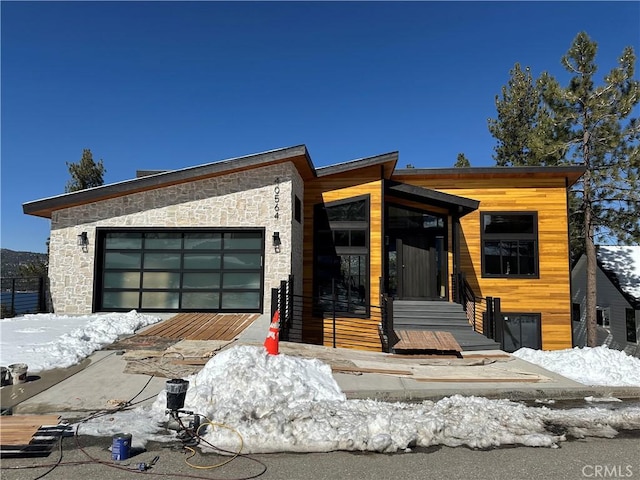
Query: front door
<point x="417" y="272"/>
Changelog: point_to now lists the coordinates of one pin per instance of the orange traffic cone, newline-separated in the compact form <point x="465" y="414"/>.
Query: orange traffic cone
<point x="273" y="337"/>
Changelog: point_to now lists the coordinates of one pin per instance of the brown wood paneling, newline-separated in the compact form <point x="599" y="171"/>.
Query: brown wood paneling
<point x="549" y="294"/>
<point x="332" y="188"/>
<point x="202" y="326"/>
<point x="355" y="333"/>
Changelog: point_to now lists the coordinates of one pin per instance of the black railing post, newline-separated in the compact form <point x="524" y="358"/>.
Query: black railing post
<point x="488" y="326"/>
<point x="13" y="296"/>
<point x="42" y="300"/>
<point x="389" y="331"/>
<point x="274" y="301"/>
<point x="499" y="323"/>
<point x="282" y="303"/>
<point x="333" y="308"/>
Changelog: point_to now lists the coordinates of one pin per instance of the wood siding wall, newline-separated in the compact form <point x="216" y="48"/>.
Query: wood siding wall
<point x="549" y="294"/>
<point x="329" y="189"/>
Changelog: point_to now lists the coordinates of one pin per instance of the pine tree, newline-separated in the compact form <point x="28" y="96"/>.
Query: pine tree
<point x="85" y="174"/>
<point x="525" y="132"/>
<point x="462" y="161"/>
<point x="607" y="197"/>
<point x="582" y="124"/>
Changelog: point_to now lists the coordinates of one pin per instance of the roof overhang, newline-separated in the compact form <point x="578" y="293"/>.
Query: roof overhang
<point x="298" y="155"/>
<point x="457" y="206"/>
<point x="387" y="162"/>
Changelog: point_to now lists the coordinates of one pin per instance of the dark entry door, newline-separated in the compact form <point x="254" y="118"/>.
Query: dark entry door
<point x="418" y="269"/>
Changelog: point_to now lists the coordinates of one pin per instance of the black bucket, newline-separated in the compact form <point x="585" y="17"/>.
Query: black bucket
<point x="176" y="393"/>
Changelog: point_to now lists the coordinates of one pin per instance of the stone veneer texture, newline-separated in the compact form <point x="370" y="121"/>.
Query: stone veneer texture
<point x="242" y="199"/>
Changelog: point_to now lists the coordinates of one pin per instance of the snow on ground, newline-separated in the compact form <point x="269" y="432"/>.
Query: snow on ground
<point x="589" y="366"/>
<point x="283" y="403"/>
<point x="46" y="341"/>
<point x="290" y="404"/>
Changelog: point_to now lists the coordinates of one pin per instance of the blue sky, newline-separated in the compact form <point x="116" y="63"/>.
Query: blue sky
<point x="168" y="85"/>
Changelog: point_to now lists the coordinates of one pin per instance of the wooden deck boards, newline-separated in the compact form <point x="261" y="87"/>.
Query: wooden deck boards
<point x="29" y="434"/>
<point x="202" y="326"/>
<point x="426" y="340"/>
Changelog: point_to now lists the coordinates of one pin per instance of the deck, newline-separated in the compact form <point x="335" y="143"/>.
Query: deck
<point x="202" y="326"/>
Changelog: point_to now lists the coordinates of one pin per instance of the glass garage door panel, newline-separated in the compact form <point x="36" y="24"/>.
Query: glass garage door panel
<point x="122" y="260"/>
<point x="182" y="271"/>
<point x="201" y="300"/>
<point x="240" y="300"/>
<point x="122" y="279"/>
<point x="201" y="280"/>
<point x="120" y="300"/>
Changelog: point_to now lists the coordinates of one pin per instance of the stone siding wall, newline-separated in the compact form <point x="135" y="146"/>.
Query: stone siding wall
<point x="242" y="199"/>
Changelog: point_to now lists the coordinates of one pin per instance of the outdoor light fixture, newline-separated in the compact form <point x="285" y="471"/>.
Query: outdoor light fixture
<point x="83" y="241"/>
<point x="276" y="239"/>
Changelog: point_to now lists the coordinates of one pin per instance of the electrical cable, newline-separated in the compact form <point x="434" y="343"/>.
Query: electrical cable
<point x="234" y="454"/>
<point x="197" y="435"/>
<point x="55" y="464"/>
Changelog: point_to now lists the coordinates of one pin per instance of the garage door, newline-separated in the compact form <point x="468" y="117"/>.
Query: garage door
<point x="165" y="271"/>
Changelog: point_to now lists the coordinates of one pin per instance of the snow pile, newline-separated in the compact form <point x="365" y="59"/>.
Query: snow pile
<point x="46" y="341"/>
<point x="589" y="366"/>
<point x="290" y="404"/>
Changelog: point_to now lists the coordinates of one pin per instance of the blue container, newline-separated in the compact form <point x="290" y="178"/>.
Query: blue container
<point x="121" y="446"/>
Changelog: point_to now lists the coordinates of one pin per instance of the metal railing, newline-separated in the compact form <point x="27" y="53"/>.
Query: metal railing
<point x="483" y="313"/>
<point x="21" y="295"/>
<point x="291" y="308"/>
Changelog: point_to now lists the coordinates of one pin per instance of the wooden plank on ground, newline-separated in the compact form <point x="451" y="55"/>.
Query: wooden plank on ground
<point x="17" y="430"/>
<point x="346" y="369"/>
<point x="426" y="340"/>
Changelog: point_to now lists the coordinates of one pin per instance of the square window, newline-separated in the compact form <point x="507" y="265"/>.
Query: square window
<point x="509" y="244"/>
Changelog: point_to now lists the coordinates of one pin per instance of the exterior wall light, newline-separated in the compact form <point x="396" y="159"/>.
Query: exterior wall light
<point x="276" y="239"/>
<point x="83" y="241"/>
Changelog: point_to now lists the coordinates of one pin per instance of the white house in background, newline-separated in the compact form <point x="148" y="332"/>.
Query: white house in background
<point x="618" y="298"/>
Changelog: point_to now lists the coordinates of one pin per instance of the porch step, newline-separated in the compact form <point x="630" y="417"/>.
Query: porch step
<point x="438" y="316"/>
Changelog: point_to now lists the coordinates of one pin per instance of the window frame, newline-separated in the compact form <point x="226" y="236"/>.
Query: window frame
<point x="631" y="325"/>
<point x="499" y="237"/>
<point x="181" y="270"/>
<point x="603" y="317"/>
<point x="322" y="232"/>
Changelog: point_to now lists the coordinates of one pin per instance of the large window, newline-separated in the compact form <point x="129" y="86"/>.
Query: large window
<point x="181" y="271"/>
<point x="630" y="321"/>
<point x="509" y="244"/>
<point x="341" y="258"/>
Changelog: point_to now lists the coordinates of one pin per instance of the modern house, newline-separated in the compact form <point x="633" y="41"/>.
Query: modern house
<point x="219" y="237"/>
<point x="617" y="298"/>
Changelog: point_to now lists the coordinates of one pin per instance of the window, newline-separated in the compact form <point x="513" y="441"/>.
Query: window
<point x="341" y="258"/>
<point x="509" y="244"/>
<point x="630" y="320"/>
<point x="603" y="317"/>
<point x="576" y="315"/>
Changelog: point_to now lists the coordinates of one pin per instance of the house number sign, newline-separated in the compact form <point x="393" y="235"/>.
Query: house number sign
<point x="276" y="199"/>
